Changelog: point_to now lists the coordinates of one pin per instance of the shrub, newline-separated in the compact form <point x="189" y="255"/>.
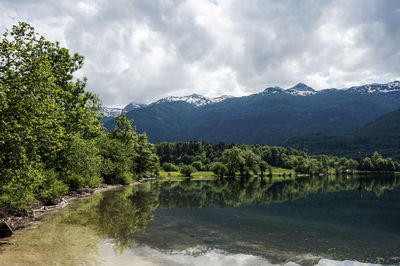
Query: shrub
<point x="51" y="188"/>
<point x="169" y="167"/>
<point x="187" y="170"/>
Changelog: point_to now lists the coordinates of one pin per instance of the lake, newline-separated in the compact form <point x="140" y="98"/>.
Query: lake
<point x="245" y="221"/>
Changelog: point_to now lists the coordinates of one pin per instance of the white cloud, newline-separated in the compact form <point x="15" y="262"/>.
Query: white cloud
<point x="144" y="50"/>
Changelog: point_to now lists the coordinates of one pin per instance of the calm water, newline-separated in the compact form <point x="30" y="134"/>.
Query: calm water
<point x="306" y="221"/>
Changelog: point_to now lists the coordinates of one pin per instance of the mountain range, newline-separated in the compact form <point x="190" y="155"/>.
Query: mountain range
<point x="271" y="117"/>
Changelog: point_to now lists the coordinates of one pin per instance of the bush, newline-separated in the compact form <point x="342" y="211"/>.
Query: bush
<point x="169" y="167"/>
<point x="187" y="170"/>
<point x="17" y="188"/>
<point x="52" y="188"/>
<point x="124" y="178"/>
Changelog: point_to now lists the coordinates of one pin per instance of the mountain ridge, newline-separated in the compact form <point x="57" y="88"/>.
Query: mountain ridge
<point x="269" y="117"/>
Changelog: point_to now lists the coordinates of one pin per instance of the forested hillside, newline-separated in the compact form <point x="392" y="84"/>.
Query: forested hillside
<point x="269" y="117"/>
<point x="383" y="135"/>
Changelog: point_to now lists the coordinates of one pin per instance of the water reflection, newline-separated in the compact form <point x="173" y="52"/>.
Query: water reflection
<point x="246" y="191"/>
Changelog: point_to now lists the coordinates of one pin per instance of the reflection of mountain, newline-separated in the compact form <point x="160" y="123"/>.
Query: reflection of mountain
<point x="244" y="192"/>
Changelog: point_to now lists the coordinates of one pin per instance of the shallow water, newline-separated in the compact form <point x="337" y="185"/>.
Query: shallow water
<point x="306" y="221"/>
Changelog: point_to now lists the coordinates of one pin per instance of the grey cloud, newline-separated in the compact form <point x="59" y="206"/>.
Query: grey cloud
<point x="144" y="50"/>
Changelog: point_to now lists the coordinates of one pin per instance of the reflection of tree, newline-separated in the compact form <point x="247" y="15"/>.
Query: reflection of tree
<point x="124" y="213"/>
<point x="118" y="214"/>
<point x="245" y="191"/>
<point x="71" y="236"/>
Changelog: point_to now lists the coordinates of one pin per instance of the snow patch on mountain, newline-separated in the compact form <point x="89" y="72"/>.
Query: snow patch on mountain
<point x="376" y="88"/>
<point x="194" y="99"/>
<point x="111" y="112"/>
<point x="301" y="89"/>
<point x="131" y="106"/>
<point x="273" y="90"/>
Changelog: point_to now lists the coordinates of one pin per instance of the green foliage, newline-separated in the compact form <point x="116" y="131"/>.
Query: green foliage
<point x="49" y="121"/>
<point x="116" y="159"/>
<point x="233" y="160"/>
<point x="169" y="167"/>
<point x="82" y="164"/>
<point x="253" y="159"/>
<point x="126" y="153"/>
<point x="145" y="161"/>
<point x="51" y="188"/>
<point x="219" y="169"/>
<point x="187" y="170"/>
<point x="18" y="187"/>
<point x="198" y="165"/>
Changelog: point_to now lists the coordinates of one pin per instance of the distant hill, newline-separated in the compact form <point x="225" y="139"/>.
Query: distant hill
<point x="382" y="135"/>
<point x="269" y="117"/>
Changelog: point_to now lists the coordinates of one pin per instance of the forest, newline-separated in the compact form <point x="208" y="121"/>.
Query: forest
<point x="245" y="160"/>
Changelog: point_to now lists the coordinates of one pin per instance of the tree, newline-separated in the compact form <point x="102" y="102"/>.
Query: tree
<point x="251" y="161"/>
<point x="233" y="160"/>
<point x="219" y="169"/>
<point x="187" y="170"/>
<point x="144" y="158"/>
<point x="351" y="165"/>
<point x="263" y="167"/>
<point x="169" y="167"/>
<point x="31" y="114"/>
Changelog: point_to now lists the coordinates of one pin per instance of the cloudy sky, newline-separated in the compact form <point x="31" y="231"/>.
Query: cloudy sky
<point x="143" y="50"/>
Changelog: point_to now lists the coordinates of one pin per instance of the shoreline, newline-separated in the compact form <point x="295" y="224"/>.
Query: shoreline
<point x="17" y="222"/>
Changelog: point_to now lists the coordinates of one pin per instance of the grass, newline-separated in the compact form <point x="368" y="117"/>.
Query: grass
<point x="208" y="175"/>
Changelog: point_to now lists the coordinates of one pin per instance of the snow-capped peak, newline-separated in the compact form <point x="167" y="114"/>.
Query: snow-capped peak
<point x="301" y="89"/>
<point x="194" y="99"/>
<point x="221" y="98"/>
<point x="376" y="88"/>
<point x="131" y="106"/>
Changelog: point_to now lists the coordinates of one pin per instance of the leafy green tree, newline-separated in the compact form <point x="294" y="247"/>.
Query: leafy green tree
<point x="31" y="115"/>
<point x="51" y="188"/>
<point x="82" y="164"/>
<point x="233" y="160"/>
<point x="251" y="161"/>
<point x="144" y="158"/>
<point x="219" y="169"/>
<point x="263" y="167"/>
<point x="116" y="161"/>
<point x="351" y="165"/>
<point x="366" y="164"/>
<point x="169" y="167"/>
<point x="187" y="170"/>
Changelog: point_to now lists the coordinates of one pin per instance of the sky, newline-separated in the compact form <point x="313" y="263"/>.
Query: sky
<point x="143" y="50"/>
